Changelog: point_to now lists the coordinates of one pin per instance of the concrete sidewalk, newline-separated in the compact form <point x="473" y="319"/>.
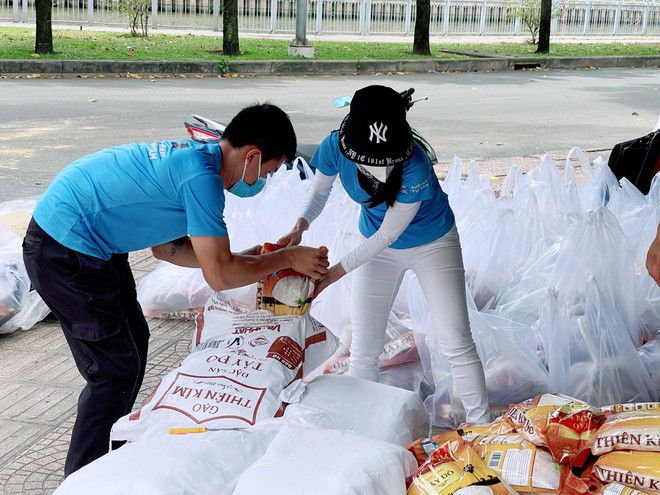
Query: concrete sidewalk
<point x="297" y="66"/>
<point x="73" y="68"/>
<point x="39" y="393"/>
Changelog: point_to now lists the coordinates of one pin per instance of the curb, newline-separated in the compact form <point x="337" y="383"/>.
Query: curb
<point x="72" y="68"/>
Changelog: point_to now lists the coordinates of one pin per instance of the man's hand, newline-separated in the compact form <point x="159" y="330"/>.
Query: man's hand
<point x="653" y="258"/>
<point x="309" y="261"/>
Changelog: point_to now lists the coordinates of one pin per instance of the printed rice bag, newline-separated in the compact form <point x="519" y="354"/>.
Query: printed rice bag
<point x="232" y="381"/>
<point x="637" y="469"/>
<point x="219" y="319"/>
<point x="628" y="430"/>
<point x="619" y="489"/>
<point x="455" y="468"/>
<point x="286" y="291"/>
<point x="560" y="423"/>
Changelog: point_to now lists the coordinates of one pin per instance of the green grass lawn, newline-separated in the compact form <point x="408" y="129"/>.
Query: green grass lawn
<point x="18" y="43"/>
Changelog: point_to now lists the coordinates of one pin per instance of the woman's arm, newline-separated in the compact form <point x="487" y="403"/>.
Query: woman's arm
<point x="396" y="220"/>
<point x="314" y="205"/>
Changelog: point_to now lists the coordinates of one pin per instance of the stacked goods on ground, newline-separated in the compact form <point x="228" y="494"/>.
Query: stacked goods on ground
<point x="549" y="444"/>
<point x="20" y="307"/>
<point x="236" y="418"/>
<point x="560" y="301"/>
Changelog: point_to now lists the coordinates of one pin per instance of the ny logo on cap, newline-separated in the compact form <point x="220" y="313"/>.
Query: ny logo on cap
<point x="378" y="131"/>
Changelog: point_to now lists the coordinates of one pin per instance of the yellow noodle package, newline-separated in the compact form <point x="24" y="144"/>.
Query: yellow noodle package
<point x="518" y="462"/>
<point x="455" y="468"/>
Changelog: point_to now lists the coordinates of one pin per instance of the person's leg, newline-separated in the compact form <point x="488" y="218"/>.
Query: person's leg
<point x="85" y="294"/>
<point x="137" y="324"/>
<point x="439" y="269"/>
<point x="375" y="285"/>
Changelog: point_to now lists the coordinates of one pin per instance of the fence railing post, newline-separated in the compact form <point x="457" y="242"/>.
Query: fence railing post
<point x="617" y="18"/>
<point x="516" y="22"/>
<point x="482" y="18"/>
<point x="319" y="15"/>
<point x="25" y="11"/>
<point x="216" y="15"/>
<point x="365" y="16"/>
<point x="587" y="18"/>
<point x="154" y="14"/>
<point x="273" y="15"/>
<point x="408" y="21"/>
<point x="645" y="18"/>
<point x="445" y="21"/>
<point x="90" y="12"/>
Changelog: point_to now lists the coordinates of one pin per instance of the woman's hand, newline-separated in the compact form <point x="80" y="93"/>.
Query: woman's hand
<point x="334" y="273"/>
<point x="294" y="237"/>
<point x="653" y="258"/>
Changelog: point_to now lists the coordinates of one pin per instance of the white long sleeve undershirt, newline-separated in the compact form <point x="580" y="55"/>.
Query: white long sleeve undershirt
<point x="396" y="220"/>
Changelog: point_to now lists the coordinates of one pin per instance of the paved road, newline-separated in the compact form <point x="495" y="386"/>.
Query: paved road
<point x="46" y="123"/>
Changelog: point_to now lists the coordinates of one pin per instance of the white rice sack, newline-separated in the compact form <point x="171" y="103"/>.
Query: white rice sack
<point x="293" y="289"/>
<point x="231" y="381"/>
<point x="161" y="464"/>
<point x="219" y="320"/>
<point x="302" y="461"/>
<point x="372" y="409"/>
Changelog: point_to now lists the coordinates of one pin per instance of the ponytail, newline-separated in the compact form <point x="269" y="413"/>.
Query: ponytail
<point x="379" y="192"/>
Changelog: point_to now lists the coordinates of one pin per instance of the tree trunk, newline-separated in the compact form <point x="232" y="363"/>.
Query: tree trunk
<point x="421" y="44"/>
<point x="43" y="44"/>
<point x="544" y="27"/>
<point x="230" y="45"/>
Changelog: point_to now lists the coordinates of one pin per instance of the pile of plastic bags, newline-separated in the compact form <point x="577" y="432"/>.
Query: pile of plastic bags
<point x="559" y="298"/>
<point x="20" y="307"/>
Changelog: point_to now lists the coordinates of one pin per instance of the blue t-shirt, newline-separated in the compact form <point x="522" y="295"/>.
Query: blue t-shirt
<point x="419" y="184"/>
<point x="135" y="196"/>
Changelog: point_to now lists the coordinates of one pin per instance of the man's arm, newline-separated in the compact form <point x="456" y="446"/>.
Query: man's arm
<point x="178" y="252"/>
<point x="223" y="269"/>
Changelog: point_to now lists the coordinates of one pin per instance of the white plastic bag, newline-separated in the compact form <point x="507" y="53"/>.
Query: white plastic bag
<point x="171" y="291"/>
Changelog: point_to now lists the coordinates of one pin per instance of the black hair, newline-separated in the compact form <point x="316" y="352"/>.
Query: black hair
<point x="266" y="126"/>
<point x="380" y="192"/>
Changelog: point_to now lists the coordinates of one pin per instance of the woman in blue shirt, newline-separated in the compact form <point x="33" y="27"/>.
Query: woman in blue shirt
<point x="406" y="223"/>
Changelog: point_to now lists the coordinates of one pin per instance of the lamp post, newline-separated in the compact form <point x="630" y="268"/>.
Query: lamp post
<point x="300" y="47"/>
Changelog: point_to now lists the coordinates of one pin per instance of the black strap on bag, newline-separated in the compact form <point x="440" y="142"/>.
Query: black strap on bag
<point x="638" y="160"/>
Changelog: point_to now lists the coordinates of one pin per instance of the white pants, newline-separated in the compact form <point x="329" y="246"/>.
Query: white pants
<point x="439" y="269"/>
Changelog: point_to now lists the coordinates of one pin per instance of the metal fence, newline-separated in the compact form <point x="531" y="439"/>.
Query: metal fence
<point x="361" y="17"/>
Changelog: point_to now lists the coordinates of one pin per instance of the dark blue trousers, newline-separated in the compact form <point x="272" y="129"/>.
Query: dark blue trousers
<point x="96" y="304"/>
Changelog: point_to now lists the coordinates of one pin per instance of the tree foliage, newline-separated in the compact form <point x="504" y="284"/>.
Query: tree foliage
<point x="529" y="12"/>
<point x="138" y="15"/>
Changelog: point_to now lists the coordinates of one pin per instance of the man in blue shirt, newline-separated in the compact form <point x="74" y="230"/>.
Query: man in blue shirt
<point x="167" y="195"/>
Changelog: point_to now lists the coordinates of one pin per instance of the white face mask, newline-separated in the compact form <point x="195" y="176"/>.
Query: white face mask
<point x="377" y="173"/>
